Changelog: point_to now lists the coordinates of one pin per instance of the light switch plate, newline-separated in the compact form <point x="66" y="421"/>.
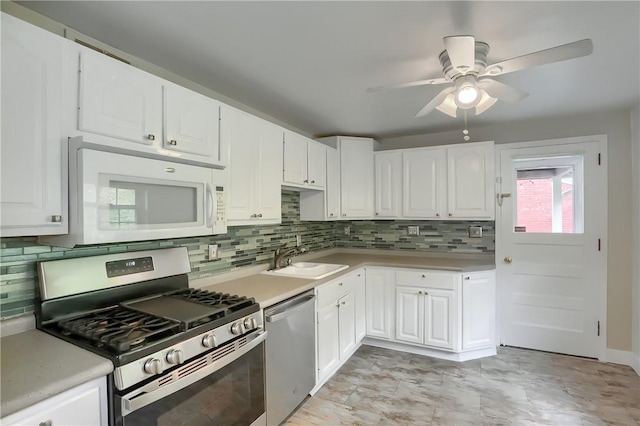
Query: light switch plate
<point x="213" y="252"/>
<point x="413" y="230"/>
<point x="347" y="230"/>
<point x="475" y="232"/>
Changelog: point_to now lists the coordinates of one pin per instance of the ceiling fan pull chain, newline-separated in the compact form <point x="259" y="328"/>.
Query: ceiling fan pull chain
<point x="465" y="132"/>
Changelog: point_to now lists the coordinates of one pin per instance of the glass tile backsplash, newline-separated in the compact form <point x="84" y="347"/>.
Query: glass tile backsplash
<point x="243" y="246"/>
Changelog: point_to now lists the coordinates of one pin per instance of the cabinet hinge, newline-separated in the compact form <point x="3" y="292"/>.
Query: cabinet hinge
<point x="599" y="244"/>
<point x="599" y="159"/>
<point x="598" y="328"/>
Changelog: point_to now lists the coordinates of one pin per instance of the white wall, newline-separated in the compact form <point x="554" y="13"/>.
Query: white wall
<point x="617" y="126"/>
<point x="635" y="148"/>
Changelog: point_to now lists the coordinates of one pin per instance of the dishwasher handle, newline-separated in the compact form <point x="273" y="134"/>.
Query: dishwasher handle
<point x="288" y="308"/>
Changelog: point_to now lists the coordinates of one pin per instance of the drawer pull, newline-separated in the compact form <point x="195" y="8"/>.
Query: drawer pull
<point x="46" y="423"/>
<point x="467" y="278"/>
<point x="424" y="276"/>
<point x="173" y="142"/>
<point x="151" y="137"/>
<point x="340" y="284"/>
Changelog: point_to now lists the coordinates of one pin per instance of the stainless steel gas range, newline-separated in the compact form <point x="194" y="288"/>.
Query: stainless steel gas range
<point x="181" y="355"/>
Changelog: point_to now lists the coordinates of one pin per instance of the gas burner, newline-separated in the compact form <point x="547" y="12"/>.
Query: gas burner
<point x="230" y="303"/>
<point x="120" y="328"/>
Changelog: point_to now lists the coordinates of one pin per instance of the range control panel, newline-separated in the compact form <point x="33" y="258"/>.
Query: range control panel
<point x="118" y="268"/>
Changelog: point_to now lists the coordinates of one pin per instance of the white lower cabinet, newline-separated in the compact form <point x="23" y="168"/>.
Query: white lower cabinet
<point x="340" y="318"/>
<point x="84" y="405"/>
<point x="438" y="313"/>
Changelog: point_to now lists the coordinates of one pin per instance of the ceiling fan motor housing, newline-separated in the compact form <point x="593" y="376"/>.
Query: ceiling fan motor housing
<point x="482" y="50"/>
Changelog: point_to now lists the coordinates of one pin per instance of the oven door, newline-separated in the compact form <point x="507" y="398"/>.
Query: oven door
<point x="222" y="387"/>
<point x="128" y="198"/>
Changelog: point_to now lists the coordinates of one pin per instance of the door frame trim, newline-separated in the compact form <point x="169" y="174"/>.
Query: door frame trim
<point x="499" y="252"/>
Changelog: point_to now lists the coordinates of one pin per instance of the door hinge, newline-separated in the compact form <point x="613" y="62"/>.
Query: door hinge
<point x="598" y="328"/>
<point x="599" y="244"/>
<point x="599" y="159"/>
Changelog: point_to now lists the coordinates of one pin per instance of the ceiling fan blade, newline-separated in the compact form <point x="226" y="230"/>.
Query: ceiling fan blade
<point x="502" y="91"/>
<point x="448" y="106"/>
<point x="462" y="52"/>
<point x="440" y="97"/>
<point x="485" y="103"/>
<point x="576" y="49"/>
<point x="440" y="80"/>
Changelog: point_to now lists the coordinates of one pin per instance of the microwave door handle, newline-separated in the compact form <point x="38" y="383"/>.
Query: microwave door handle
<point x="209" y="207"/>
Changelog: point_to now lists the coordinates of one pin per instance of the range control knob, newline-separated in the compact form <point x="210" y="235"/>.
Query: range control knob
<point x="236" y="328"/>
<point x="153" y="366"/>
<point x="174" y="356"/>
<point x="209" y="341"/>
<point x="249" y="323"/>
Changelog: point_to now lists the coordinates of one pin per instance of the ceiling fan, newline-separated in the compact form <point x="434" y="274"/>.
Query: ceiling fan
<point x="465" y="68"/>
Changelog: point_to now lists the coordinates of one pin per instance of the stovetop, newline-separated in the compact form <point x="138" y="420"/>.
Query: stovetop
<point x="136" y="328"/>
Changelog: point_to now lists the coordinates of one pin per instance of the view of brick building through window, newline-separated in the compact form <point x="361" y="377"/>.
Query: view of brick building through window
<point x="535" y="207"/>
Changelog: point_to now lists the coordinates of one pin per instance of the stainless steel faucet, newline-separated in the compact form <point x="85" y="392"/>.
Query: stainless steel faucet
<point x="282" y="253"/>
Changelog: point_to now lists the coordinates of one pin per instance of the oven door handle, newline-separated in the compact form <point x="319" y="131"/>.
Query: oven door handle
<point x="152" y="392"/>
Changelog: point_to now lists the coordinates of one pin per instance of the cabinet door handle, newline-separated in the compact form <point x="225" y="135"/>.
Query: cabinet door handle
<point x="450" y="214"/>
<point x="305" y="181"/>
<point x="437" y="214"/>
<point x="46" y="423"/>
<point x="313" y="181"/>
<point x="377" y="213"/>
<point x="344" y="303"/>
<point x="344" y="214"/>
<point x="254" y="215"/>
<point x="173" y="142"/>
<point x="424" y="276"/>
<point x="467" y="278"/>
<point x="151" y="137"/>
<point x="331" y="214"/>
<point x="340" y="284"/>
<point x="259" y="214"/>
<point x="56" y="218"/>
<point x="419" y="292"/>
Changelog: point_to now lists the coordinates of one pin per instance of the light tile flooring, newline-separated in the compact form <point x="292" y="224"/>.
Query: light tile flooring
<point x="517" y="387"/>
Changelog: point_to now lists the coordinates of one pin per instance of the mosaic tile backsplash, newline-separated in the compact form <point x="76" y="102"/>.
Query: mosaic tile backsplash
<point x="242" y="246"/>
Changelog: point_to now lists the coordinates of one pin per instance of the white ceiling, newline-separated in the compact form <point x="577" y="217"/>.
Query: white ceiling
<point x="309" y="63"/>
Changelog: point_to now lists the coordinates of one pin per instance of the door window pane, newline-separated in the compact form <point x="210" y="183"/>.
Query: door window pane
<point x="548" y="195"/>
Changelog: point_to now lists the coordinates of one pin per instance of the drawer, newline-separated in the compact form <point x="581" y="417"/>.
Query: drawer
<point x="333" y="290"/>
<point x="431" y="279"/>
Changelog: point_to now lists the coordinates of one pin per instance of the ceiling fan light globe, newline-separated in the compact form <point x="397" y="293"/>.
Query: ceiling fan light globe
<point x="467" y="96"/>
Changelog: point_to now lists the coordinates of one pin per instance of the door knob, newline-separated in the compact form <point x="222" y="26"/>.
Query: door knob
<point x="508" y="259"/>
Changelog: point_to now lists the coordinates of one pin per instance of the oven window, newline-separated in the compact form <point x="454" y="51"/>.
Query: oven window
<point x="233" y="395"/>
<point x="136" y="203"/>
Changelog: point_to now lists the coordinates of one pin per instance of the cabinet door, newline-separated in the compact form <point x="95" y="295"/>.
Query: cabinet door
<point x="347" y="332"/>
<point x="119" y="100"/>
<point x="409" y="314"/>
<point x="423" y="183"/>
<point x="268" y="206"/>
<point x="84" y="405"/>
<point x="295" y="159"/>
<point x="328" y="341"/>
<point x="439" y="314"/>
<point x="356" y="178"/>
<point x="33" y="68"/>
<point x="191" y="122"/>
<point x="388" y="186"/>
<point x="357" y="283"/>
<point x="379" y="302"/>
<point x="317" y="164"/>
<point x="478" y="310"/>
<point x="238" y="129"/>
<point x="471" y="181"/>
<point x="332" y="193"/>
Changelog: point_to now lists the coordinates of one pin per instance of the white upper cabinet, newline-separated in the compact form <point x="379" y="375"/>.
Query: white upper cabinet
<point x="33" y="195"/>
<point x="441" y="182"/>
<point x="423" y="183"/>
<point x="191" y="122"/>
<point x="356" y="178"/>
<point x="118" y="100"/>
<point x="255" y="165"/>
<point x="126" y="108"/>
<point x="388" y="184"/>
<point x="304" y="162"/>
<point x="470" y="181"/>
<point x="332" y="192"/>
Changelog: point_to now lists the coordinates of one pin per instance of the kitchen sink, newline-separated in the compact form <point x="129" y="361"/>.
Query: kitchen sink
<point x="309" y="270"/>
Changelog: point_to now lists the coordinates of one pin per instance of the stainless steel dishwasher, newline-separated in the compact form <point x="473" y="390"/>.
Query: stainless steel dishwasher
<point x="290" y="355"/>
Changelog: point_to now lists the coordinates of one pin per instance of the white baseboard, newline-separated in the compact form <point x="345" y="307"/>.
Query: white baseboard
<point x="624" y="358"/>
<point x="450" y="356"/>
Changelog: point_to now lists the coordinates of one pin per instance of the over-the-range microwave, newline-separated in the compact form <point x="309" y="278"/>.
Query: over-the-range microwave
<point x="120" y="196"/>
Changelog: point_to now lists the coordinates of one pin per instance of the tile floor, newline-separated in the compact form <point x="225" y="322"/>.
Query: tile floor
<point x="517" y="387"/>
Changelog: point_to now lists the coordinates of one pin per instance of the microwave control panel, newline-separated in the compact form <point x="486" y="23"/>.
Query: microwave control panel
<point x="221" y="216"/>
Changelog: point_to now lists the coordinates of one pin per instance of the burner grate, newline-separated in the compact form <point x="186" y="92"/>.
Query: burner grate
<point x="226" y="302"/>
<point x="120" y="328"/>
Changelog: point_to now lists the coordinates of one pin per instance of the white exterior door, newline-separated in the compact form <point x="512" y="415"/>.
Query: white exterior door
<point x="551" y="245"/>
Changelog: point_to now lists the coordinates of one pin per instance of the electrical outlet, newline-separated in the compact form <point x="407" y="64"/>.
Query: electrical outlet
<point x="213" y="252"/>
<point x="413" y="230"/>
<point x="475" y="232"/>
<point x="298" y="240"/>
<point x="347" y="230"/>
